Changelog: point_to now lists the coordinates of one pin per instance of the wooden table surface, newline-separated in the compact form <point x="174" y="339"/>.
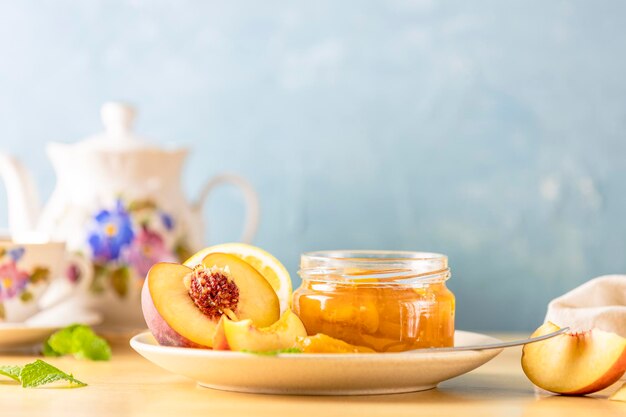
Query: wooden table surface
<point x="129" y="385"/>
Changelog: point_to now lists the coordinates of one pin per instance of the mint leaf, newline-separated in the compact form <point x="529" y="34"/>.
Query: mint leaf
<point x="41" y="373"/>
<point x="78" y="340"/>
<point x="38" y="373"/>
<point x="60" y="342"/>
<point x="88" y="345"/>
<point x="273" y="352"/>
<point x="12" y="371"/>
<point x="48" y="351"/>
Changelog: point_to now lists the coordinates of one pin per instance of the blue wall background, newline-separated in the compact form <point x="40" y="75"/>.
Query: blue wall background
<point x="491" y="131"/>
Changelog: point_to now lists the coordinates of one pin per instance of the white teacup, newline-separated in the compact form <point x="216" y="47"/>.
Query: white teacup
<point x="33" y="276"/>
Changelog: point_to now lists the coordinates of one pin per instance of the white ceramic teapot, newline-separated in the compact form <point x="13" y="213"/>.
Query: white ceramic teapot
<point x="118" y="201"/>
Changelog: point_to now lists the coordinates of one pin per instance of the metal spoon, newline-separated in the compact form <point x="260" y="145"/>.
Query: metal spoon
<point x="492" y="345"/>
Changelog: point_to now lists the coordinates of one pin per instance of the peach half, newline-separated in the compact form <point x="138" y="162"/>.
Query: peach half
<point x="574" y="363"/>
<point x="244" y="335"/>
<point x="182" y="306"/>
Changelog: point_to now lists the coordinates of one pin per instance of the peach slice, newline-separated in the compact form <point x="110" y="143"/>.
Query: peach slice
<point x="182" y="306"/>
<point x="244" y="335"/>
<point x="321" y="343"/>
<point x="576" y="363"/>
<point x="219" y="339"/>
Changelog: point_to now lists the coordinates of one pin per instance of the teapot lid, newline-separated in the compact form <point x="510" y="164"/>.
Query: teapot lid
<point x="118" y="119"/>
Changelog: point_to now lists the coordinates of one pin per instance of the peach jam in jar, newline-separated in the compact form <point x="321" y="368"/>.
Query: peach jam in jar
<point x="388" y="301"/>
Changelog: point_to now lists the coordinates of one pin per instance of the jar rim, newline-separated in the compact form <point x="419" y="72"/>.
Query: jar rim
<point x="380" y="265"/>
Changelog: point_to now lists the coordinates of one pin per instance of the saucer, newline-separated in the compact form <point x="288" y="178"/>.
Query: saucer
<point x="37" y="328"/>
<point x="318" y="374"/>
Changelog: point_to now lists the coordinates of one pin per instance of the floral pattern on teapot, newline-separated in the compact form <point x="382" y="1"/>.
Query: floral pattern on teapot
<point x="126" y="239"/>
<point x="15" y="281"/>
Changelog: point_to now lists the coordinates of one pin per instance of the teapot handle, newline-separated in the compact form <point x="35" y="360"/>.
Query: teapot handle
<point x="251" y="199"/>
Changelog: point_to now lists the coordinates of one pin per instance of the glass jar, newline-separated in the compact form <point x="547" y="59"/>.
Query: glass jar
<point x="388" y="301"/>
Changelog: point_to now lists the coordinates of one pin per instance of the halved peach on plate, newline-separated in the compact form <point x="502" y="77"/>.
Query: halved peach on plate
<point x="182" y="306"/>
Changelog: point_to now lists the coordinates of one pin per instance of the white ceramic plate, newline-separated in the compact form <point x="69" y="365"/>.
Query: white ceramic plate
<point x="318" y="374"/>
<point x="22" y="335"/>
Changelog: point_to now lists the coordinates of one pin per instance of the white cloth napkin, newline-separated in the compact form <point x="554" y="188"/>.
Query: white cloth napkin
<point x="599" y="303"/>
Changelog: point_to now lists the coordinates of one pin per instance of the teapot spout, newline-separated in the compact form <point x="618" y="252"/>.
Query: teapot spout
<point x="23" y="200"/>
